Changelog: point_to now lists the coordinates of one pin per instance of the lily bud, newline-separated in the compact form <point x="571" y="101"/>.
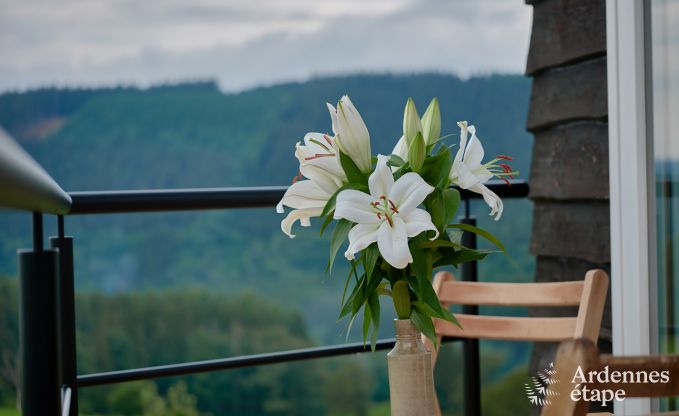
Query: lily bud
<point x="351" y="133"/>
<point x="431" y="122"/>
<point x="416" y="152"/>
<point x="411" y="122"/>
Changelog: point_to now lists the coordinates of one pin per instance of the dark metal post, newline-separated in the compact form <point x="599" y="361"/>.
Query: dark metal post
<point x="38" y="271"/>
<point x="66" y="315"/>
<point x="472" y="368"/>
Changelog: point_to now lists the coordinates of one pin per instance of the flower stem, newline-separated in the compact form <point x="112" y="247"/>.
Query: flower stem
<point x="401" y="297"/>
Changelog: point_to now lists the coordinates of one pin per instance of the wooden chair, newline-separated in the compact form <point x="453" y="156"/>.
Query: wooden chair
<point x="583" y="353"/>
<point x="589" y="294"/>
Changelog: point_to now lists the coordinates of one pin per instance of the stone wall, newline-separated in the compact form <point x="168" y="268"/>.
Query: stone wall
<point x="569" y="170"/>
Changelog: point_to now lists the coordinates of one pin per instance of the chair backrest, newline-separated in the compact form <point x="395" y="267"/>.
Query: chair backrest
<point x="583" y="353"/>
<point x="589" y="295"/>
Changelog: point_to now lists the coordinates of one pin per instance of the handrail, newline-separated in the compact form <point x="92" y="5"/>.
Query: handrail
<point x="160" y="200"/>
<point x="278" y="357"/>
<point x="24" y="184"/>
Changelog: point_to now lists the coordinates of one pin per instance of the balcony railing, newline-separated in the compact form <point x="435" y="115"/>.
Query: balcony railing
<point x="47" y="326"/>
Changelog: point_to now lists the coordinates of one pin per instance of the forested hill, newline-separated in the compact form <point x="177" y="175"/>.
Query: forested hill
<point x="193" y="135"/>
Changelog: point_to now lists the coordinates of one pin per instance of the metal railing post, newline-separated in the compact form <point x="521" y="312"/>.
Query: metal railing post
<point x="65" y="290"/>
<point x="38" y="271"/>
<point x="472" y="367"/>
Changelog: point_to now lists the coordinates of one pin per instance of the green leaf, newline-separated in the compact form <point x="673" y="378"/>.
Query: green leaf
<point x="372" y="253"/>
<point x="440" y="243"/>
<point x="483" y="233"/>
<point x="348" y="303"/>
<point x="374" y="305"/>
<point x="435" y="205"/>
<point x="366" y="323"/>
<point x="421" y="264"/>
<point x="327" y="221"/>
<point x="422" y="267"/>
<point x="423" y="322"/>
<point x="441" y="313"/>
<point x="352" y="171"/>
<point x="360" y="297"/>
<point x="338" y="236"/>
<point x="396" y="161"/>
<point x="436" y="169"/>
<point x="346" y="283"/>
<point x="442" y="205"/>
<point x="350" y="324"/>
<point x="416" y="152"/>
<point x="451" y="200"/>
<point x="462" y="256"/>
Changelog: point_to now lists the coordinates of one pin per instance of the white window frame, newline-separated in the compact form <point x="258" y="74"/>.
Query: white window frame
<point x="632" y="237"/>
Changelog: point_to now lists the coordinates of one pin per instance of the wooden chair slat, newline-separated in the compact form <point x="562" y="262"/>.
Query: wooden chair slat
<point x="508" y="328"/>
<point x="512" y="294"/>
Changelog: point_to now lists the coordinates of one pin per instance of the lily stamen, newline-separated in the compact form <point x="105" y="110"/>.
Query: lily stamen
<point x="317" y="155"/>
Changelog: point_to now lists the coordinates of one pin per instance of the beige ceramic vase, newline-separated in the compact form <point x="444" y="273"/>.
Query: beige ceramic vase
<point x="411" y="382"/>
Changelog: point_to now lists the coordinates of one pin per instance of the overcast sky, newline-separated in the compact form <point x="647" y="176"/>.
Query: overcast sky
<point x="247" y="43"/>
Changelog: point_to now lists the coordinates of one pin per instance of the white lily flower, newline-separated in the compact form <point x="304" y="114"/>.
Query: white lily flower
<point x="351" y="133"/>
<point x="468" y="172"/>
<point x="388" y="215"/>
<point x="318" y="162"/>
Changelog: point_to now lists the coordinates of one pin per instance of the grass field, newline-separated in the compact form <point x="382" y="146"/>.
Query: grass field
<point x="8" y="411"/>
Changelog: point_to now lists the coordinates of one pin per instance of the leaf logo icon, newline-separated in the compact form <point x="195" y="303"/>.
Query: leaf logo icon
<point x="537" y="391"/>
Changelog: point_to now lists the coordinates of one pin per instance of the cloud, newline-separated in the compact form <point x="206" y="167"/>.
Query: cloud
<point x="242" y="44"/>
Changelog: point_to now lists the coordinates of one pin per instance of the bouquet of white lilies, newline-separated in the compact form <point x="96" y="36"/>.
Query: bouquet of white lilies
<point x="397" y="211"/>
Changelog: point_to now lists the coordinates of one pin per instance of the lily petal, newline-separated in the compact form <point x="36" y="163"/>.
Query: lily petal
<point x="392" y="242"/>
<point x="418" y="221"/>
<point x="324" y="179"/>
<point x="360" y="237"/>
<point x="302" y="215"/>
<point x="493" y="201"/>
<point x="463" y="141"/>
<point x="355" y="206"/>
<point x="401" y="149"/>
<point x="473" y="154"/>
<point x="381" y="180"/>
<point x="304" y="194"/>
<point x="409" y="191"/>
<point x="333" y="116"/>
<point x="468" y="176"/>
